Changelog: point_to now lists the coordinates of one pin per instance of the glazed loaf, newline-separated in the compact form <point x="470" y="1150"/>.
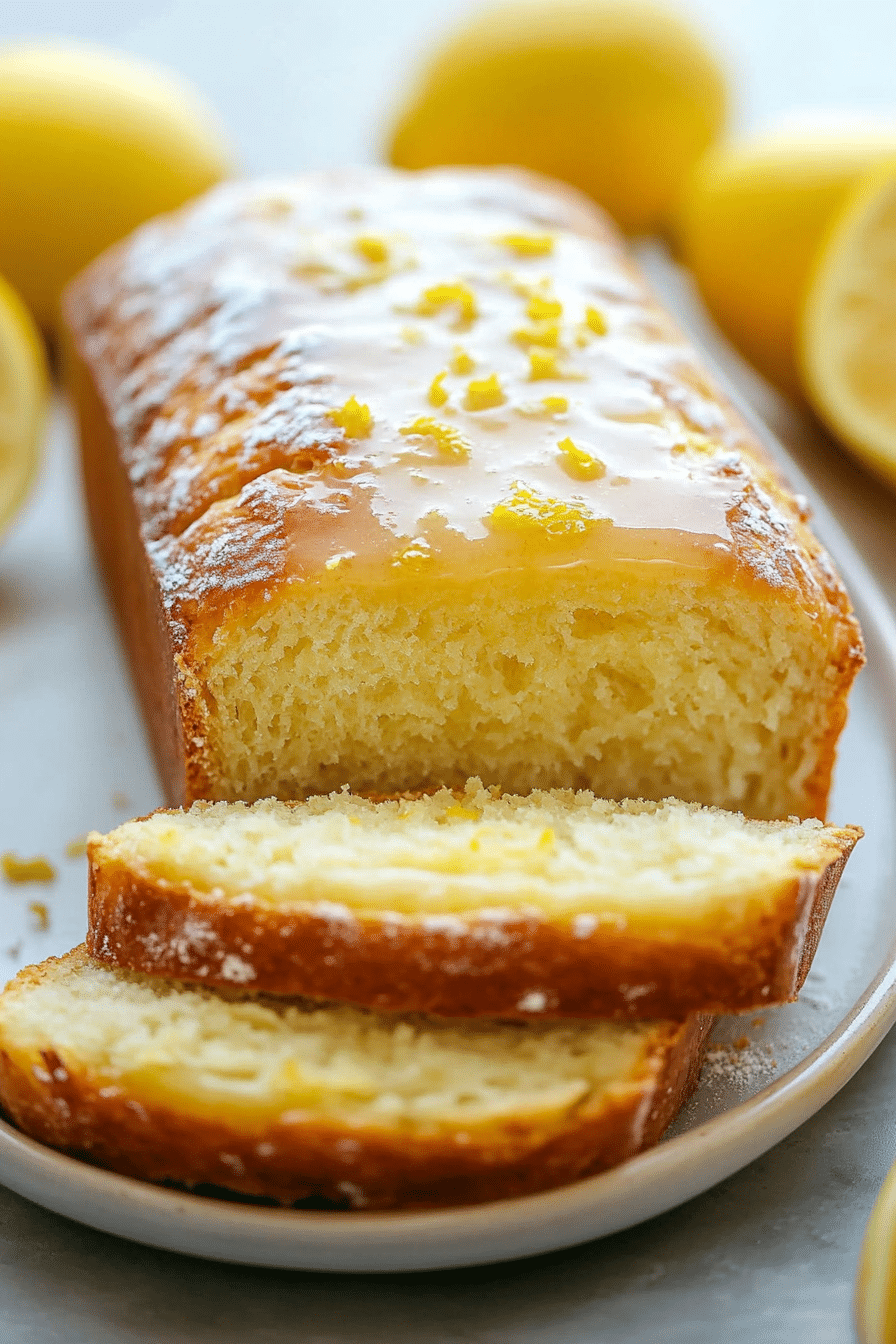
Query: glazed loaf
<point x="552" y="905"/>
<point x="402" y="478"/>
<point x="288" y="1100"/>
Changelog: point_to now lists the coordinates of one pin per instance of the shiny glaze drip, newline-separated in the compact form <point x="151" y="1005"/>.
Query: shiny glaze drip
<point x="375" y="373"/>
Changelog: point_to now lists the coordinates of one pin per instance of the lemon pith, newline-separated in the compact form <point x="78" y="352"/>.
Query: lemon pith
<point x="848" y="332"/>
<point x="23" y="387"/>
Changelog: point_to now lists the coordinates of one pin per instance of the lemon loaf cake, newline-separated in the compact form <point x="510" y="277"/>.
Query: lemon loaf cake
<point x="287" y="1099"/>
<point x="399" y="478"/>
<point x="552" y="905"/>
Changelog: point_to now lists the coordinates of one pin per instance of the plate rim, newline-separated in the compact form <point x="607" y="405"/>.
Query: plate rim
<point x="649" y="1184"/>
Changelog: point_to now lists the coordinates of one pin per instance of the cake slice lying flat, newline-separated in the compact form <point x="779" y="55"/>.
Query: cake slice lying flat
<point x="558" y="904"/>
<point x="288" y="1099"/>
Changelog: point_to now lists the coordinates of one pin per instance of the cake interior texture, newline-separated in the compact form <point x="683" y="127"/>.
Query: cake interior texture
<point x="256" y="1057"/>
<point x="550" y="678"/>
<point x="560" y="853"/>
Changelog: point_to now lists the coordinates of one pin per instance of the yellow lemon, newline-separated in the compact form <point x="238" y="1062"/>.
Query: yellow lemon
<point x="753" y="216"/>
<point x="618" y="97"/>
<point x="91" y="144"/>
<point x="875" y="1300"/>
<point x="23" y="386"/>
<point x="848" y="329"/>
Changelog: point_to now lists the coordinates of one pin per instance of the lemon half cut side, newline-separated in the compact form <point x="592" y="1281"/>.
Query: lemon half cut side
<point x="848" y="330"/>
<point x="754" y="215"/>
<point x="23" y="395"/>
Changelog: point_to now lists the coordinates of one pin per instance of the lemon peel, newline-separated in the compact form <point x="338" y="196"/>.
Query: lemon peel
<point x="437" y="297"/>
<point x="848" y="326"/>
<point x="579" y="464"/>
<point x="354" y="418"/>
<point x="526" y="510"/>
<point x="484" y="393"/>
<point x="450" y="442"/>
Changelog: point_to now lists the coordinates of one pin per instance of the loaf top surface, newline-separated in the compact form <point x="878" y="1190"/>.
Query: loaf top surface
<point x="373" y="374"/>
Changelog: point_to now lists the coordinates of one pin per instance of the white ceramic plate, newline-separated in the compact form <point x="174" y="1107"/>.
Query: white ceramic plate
<point x="71" y="708"/>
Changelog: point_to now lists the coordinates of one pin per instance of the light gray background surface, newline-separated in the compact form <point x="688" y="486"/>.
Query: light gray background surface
<point x="769" y="1255"/>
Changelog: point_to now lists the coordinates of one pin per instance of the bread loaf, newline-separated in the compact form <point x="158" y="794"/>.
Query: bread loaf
<point x="553" y="905"/>
<point x="287" y="1100"/>
<point x="402" y="478"/>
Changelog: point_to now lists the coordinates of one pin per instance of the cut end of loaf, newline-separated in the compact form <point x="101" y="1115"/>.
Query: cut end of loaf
<point x="578" y="681"/>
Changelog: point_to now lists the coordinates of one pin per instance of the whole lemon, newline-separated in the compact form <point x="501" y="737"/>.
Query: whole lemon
<point x="619" y="98"/>
<point x="91" y="144"/>
<point x="752" y="219"/>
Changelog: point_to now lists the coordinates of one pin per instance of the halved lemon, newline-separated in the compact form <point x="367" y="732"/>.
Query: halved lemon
<point x="23" y="392"/>
<point x="848" y="329"/>
<point x="755" y="213"/>
<point x="875" y="1301"/>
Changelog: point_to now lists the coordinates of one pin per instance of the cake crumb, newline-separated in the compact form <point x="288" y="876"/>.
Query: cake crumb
<point x="736" y="1064"/>
<point x="41" y="915"/>
<point x="37" y="869"/>
<point x="76" y="849"/>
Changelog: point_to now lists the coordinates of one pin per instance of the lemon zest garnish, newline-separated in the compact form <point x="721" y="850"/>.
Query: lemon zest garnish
<point x="461" y="813"/>
<point x="546" y="839"/>
<point x="595" y="321"/>
<point x="556" y="405"/>
<point x="526" y="509"/>
<point x="540" y="309"/>
<point x="579" y="464"/>
<point x="462" y="362"/>
<point x="483" y="393"/>
<point x="437" y="396"/>
<point x="27" y="870"/>
<point x="449" y="440"/>
<point x="41" y="915"/>
<point x="543" y="363"/>
<point x="546" y="334"/>
<point x="528" y="244"/>
<point x="437" y="297"/>
<point x="372" y="249"/>
<point x="354" y="418"/>
<point x="695" y="443"/>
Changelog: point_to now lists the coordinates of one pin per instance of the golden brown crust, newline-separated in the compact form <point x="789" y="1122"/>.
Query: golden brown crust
<point x="228" y="479"/>
<point x="491" y="964"/>
<point x="51" y="1099"/>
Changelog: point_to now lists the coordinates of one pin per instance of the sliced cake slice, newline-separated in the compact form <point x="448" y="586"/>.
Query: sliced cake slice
<point x="470" y="903"/>
<point x="288" y="1099"/>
